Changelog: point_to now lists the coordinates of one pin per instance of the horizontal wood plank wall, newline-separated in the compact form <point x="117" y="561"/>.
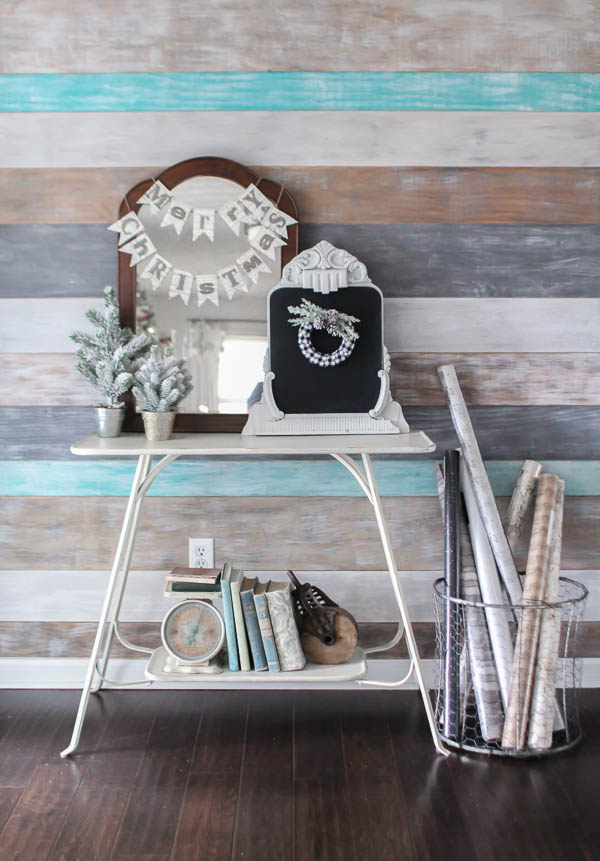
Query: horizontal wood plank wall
<point x="460" y="159"/>
<point x="306" y="91"/>
<point x="487" y="379"/>
<point x="406" y="260"/>
<point x="312" y="138"/>
<point x="323" y="534"/>
<point x="263" y="476"/>
<point x="503" y="431"/>
<point x="170" y="36"/>
<point x="414" y="325"/>
<point x="333" y="195"/>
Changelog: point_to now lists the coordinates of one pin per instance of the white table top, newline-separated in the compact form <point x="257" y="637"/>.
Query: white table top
<point x="205" y="444"/>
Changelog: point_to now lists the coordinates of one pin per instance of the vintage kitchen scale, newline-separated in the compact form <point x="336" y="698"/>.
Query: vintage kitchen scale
<point x="193" y="634"/>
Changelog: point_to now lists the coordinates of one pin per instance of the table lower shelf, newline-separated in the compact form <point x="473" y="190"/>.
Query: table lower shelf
<point x="353" y="669"/>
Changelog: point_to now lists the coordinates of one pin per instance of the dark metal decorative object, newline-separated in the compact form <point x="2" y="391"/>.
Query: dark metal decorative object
<point x="329" y="634"/>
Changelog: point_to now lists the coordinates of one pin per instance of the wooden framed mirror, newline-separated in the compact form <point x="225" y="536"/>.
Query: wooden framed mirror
<point x="223" y="344"/>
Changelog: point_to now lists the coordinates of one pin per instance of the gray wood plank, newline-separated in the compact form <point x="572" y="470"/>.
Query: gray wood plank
<point x="56" y="260"/>
<point x="463" y="260"/>
<point x="503" y="432"/>
<point x="313" y="138"/>
<point x="471" y="260"/>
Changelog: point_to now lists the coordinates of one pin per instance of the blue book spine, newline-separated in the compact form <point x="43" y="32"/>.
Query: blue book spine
<point x="232" y="649"/>
<point x="264" y="623"/>
<point x="256" y="644"/>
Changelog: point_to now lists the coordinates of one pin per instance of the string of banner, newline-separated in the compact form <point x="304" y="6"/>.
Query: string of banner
<point x="252" y="211"/>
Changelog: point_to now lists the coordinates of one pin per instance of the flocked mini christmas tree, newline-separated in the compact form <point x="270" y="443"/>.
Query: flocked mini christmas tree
<point x="161" y="381"/>
<point x="106" y="357"/>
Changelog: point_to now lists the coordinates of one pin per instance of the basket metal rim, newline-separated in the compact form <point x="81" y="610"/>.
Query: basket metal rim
<point x="511" y="753"/>
<point x="440" y="583"/>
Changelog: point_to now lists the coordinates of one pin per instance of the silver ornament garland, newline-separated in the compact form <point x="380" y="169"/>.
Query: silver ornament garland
<point x="324" y="360"/>
<point x="310" y="316"/>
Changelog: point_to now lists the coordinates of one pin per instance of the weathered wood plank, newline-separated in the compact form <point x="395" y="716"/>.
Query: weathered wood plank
<point x="75" y="640"/>
<point x="42" y="379"/>
<point x="302" y="91"/>
<point x="498" y="379"/>
<point x="413" y="325"/>
<point x="49" y="260"/>
<point x="170" y="35"/>
<point x="541" y="433"/>
<point x="487" y="379"/>
<point x="468" y="260"/>
<point x="497" y="325"/>
<point x="77" y="595"/>
<point x="261" y="477"/>
<point x="333" y="195"/>
<point x="74" y="533"/>
<point x="366" y="138"/>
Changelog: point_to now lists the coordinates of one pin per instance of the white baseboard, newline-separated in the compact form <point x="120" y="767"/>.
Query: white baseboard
<point x="68" y="673"/>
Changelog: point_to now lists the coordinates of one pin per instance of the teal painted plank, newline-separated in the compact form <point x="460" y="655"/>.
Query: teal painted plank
<point x="263" y="478"/>
<point x="301" y="91"/>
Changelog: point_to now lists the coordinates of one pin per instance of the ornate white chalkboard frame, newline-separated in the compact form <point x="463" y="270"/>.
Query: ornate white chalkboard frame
<point x="325" y="269"/>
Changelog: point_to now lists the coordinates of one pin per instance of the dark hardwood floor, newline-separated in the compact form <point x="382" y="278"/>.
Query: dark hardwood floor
<point x="271" y="776"/>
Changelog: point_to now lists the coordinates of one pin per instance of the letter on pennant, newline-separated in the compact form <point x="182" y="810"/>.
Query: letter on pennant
<point x="140" y="248"/>
<point x="157" y="196"/>
<point x="157" y="270"/>
<point x="206" y="288"/>
<point x="127" y="227"/>
<point x="231" y="280"/>
<point x="252" y="265"/>
<point x="176" y="215"/>
<point x="181" y="285"/>
<point x="203" y="223"/>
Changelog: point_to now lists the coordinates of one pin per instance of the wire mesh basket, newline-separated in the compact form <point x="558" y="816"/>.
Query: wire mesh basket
<point x="508" y="676"/>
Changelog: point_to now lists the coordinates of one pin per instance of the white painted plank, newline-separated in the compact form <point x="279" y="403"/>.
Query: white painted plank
<point x="76" y="596"/>
<point x="522" y="325"/>
<point x="42" y="325"/>
<point x="419" y="138"/>
<point x="46" y="673"/>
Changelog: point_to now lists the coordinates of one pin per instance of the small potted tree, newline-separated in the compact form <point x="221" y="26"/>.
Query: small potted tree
<point x="161" y="381"/>
<point x="106" y="359"/>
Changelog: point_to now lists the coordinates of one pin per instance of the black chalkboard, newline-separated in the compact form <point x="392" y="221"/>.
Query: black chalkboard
<point x="350" y="387"/>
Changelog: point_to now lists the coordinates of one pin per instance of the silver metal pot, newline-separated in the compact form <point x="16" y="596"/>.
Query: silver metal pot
<point x="109" y="420"/>
<point x="158" y="426"/>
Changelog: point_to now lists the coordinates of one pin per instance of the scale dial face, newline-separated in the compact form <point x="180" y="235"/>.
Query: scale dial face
<point x="193" y="631"/>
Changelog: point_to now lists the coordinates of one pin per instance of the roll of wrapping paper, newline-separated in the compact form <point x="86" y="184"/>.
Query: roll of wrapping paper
<point x="521" y="500"/>
<point x="480" y="480"/>
<point x="481" y="660"/>
<point x="534" y="587"/>
<point x="543" y="703"/>
<point x="491" y="589"/>
<point x="452" y="575"/>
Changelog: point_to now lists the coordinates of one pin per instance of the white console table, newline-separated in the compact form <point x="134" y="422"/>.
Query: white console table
<point x="342" y="448"/>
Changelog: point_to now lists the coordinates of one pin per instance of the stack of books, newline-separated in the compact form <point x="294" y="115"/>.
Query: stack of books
<point x="194" y="580"/>
<point x="259" y="623"/>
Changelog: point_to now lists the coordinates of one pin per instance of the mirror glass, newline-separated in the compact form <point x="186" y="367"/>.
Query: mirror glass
<point x="223" y="345"/>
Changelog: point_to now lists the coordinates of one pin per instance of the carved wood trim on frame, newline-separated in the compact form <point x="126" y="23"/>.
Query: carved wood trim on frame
<point x="171" y="177"/>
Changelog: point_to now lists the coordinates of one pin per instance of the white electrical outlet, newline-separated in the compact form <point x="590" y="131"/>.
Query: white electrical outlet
<point x="202" y="552"/>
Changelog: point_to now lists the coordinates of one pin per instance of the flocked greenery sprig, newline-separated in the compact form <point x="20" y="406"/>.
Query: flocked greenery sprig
<point x="334" y="322"/>
<point x="161" y="381"/>
<point x="106" y="356"/>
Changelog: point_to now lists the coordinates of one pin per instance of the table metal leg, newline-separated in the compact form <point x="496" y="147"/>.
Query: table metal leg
<point x="367" y="482"/>
<point x="113" y="617"/>
<point x="108" y="600"/>
<point x="411" y="642"/>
